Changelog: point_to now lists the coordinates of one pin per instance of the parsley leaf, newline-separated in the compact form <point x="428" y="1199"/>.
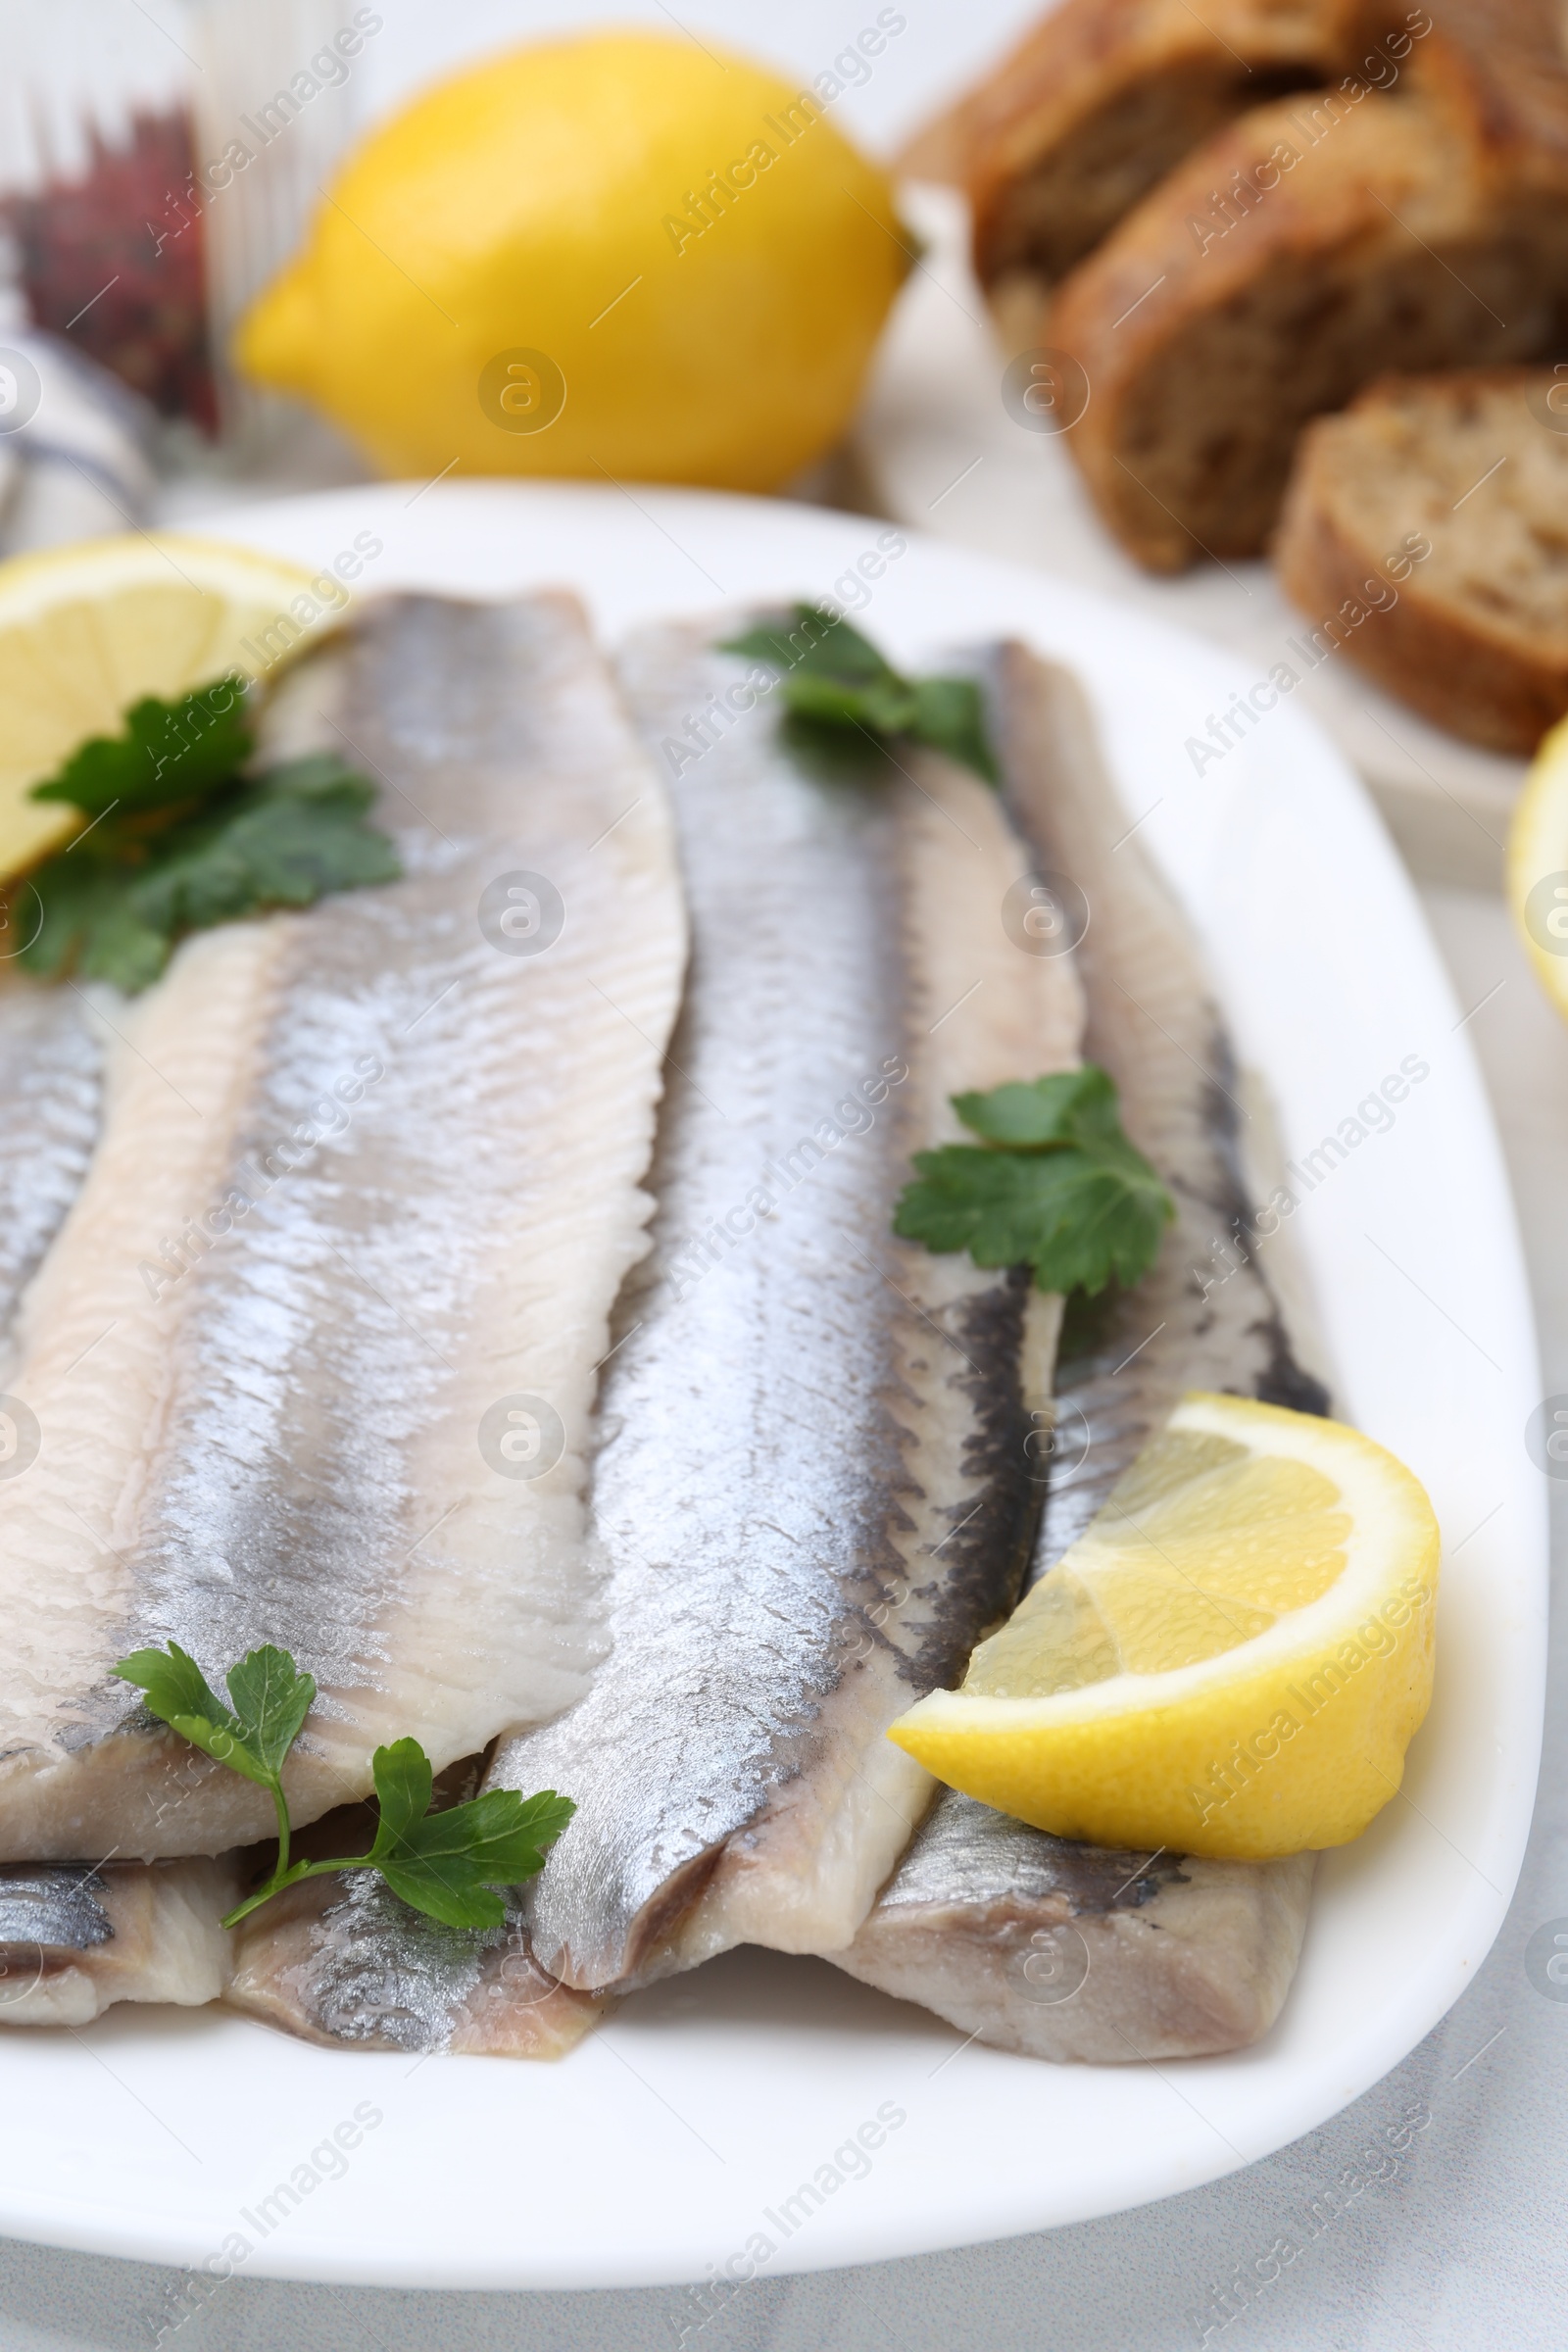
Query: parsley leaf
<point x="1077" y="1219"/>
<point x="817" y="644"/>
<point x="446" y="1864"/>
<point x="831" y="676"/>
<point x="84" y="921"/>
<point x="283" y="841"/>
<point x="272" y="1699"/>
<point x="168" y="752"/>
<point x="178" y="1693"/>
<point x="114" y="904"/>
<point x="1056" y="1185"/>
<point x="949" y="716"/>
<point x="1063" y="1108"/>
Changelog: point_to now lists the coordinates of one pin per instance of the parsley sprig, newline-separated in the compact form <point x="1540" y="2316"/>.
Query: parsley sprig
<point x="834" y="680"/>
<point x="1053" y="1185"/>
<point x="445" y="1863"/>
<point x="180" y="839"/>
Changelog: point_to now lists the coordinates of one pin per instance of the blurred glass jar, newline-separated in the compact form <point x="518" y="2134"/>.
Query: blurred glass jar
<point x="157" y="165"/>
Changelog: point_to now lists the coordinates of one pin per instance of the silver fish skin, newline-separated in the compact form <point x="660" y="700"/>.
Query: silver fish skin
<point x="341" y="1271"/>
<point x="1033" y="1943"/>
<point x="1004" y="1931"/>
<point x="51" y="1069"/>
<point x="342" y="1962"/>
<point x="814" y="1487"/>
<point x="1209" y="1315"/>
<point x="811" y="1488"/>
<point x="73" y="1941"/>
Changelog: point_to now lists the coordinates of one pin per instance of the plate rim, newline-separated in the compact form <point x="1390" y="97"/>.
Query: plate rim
<point x="1366" y="2055"/>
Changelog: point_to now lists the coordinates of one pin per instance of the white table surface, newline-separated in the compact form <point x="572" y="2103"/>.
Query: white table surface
<point x="1463" y="2245"/>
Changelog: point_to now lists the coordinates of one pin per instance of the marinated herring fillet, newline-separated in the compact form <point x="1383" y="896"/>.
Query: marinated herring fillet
<point x="1033" y="1943"/>
<point x="813" y="1485"/>
<point x="1029" y="1941"/>
<point x="341" y="1271"/>
<point x="72" y="1940"/>
<point x="51" y="1058"/>
<point x="811" y="1490"/>
<point x="342" y="1959"/>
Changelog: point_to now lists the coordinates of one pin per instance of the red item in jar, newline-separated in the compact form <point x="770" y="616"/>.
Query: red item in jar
<point x="114" y="262"/>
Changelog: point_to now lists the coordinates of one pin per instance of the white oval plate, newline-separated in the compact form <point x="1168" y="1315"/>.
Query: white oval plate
<point x="674" y="2142"/>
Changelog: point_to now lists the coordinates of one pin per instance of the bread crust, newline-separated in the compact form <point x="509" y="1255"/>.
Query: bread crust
<point x="1486" y="681"/>
<point x="1421" y="229"/>
<point x="1098" y="101"/>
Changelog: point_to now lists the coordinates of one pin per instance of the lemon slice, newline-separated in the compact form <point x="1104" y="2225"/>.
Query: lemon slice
<point x="1231" y="1660"/>
<point x="87" y="631"/>
<point x="1538" y="865"/>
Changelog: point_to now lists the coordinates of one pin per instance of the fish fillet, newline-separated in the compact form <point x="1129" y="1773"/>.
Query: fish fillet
<point x="75" y="1940"/>
<point x="313" y="1353"/>
<point x="1029" y="1941"/>
<point x="50" y="1084"/>
<point x="342" y="1960"/>
<point x="812" y="1489"/>
<point x="813" y="1485"/>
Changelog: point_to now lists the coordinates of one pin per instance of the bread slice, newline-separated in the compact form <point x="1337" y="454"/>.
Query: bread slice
<point x="1474" y="468"/>
<point x="1311" y="246"/>
<point x="1098" y="101"/>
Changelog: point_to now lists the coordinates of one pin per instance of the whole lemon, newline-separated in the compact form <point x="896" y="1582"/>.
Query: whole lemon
<point x="619" y="255"/>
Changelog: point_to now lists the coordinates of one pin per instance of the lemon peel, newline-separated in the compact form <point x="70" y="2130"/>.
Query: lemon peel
<point x="1537" y="879"/>
<point x="613" y="256"/>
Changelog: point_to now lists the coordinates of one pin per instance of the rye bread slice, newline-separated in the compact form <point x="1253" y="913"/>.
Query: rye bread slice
<point x="1102" y="98"/>
<point x="1474" y="466"/>
<point x="1310" y="248"/>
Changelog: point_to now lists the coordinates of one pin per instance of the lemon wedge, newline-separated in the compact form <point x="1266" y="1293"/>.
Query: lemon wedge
<point x="1231" y="1660"/>
<point x="87" y="631"/>
<point x="1538" y="865"/>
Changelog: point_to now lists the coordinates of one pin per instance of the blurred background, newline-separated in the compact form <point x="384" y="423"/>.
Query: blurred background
<point x="112" y="112"/>
<point x="108" y="102"/>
